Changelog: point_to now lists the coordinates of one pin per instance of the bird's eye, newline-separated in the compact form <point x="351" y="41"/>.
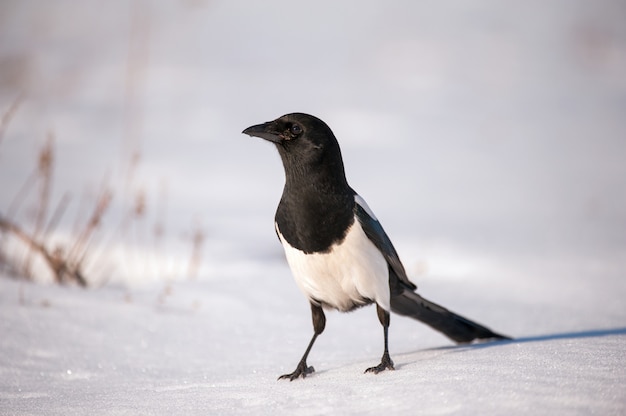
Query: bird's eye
<point x="295" y="129"/>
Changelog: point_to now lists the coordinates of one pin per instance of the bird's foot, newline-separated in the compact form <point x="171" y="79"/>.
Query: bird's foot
<point x="385" y="364"/>
<point x="302" y="370"/>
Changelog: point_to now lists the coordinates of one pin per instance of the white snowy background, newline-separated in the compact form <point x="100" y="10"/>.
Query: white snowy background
<point x="488" y="136"/>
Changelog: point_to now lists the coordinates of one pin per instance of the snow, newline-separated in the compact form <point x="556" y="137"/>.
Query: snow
<point x="487" y="137"/>
<point x="218" y="346"/>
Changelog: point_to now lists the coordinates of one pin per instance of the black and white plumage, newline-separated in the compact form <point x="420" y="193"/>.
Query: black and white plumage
<point x="339" y="254"/>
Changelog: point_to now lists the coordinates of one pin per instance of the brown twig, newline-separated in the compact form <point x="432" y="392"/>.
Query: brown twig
<point x="137" y="63"/>
<point x="79" y="249"/>
<point x="62" y="270"/>
<point x="21" y="194"/>
<point x="8" y="115"/>
<point x="56" y="216"/>
<point x="197" y="243"/>
<point x="44" y="174"/>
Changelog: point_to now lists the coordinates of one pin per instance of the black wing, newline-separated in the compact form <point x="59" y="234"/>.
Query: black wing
<point x="377" y="235"/>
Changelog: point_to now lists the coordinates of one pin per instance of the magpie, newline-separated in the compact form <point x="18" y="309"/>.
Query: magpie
<point x="338" y="253"/>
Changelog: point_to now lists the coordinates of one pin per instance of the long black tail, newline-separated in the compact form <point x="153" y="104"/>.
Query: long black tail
<point x="454" y="326"/>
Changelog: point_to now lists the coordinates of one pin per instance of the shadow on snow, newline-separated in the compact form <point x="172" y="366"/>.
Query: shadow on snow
<point x="593" y="333"/>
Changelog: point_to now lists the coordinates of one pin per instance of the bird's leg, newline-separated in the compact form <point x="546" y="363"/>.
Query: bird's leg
<point x="385" y="362"/>
<point x="319" y="323"/>
<point x="302" y="370"/>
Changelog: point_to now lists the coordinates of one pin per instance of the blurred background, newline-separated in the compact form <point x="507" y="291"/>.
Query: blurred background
<point x="483" y="132"/>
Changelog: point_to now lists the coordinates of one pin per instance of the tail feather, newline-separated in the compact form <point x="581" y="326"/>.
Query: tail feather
<point x="455" y="327"/>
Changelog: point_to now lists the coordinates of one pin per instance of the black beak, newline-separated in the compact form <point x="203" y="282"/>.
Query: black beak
<point x="264" y="131"/>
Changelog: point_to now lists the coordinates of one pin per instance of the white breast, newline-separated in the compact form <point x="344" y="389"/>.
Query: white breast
<point x="352" y="271"/>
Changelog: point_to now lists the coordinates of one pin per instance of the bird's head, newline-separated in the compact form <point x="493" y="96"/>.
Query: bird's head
<point x="305" y="143"/>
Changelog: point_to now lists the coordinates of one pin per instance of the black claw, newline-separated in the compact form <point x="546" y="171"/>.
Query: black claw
<point x="385" y="364"/>
<point x="302" y="370"/>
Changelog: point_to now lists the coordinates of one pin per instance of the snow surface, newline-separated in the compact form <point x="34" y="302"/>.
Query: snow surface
<point x="488" y="137"/>
<point x="218" y="346"/>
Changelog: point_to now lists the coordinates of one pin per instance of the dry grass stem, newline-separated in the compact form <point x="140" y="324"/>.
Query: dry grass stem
<point x="197" y="244"/>
<point x="63" y="271"/>
<point x="79" y="250"/>
<point x="8" y="116"/>
<point x="44" y="176"/>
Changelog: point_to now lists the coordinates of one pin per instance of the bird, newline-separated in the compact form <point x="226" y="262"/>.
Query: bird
<point x="339" y="254"/>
